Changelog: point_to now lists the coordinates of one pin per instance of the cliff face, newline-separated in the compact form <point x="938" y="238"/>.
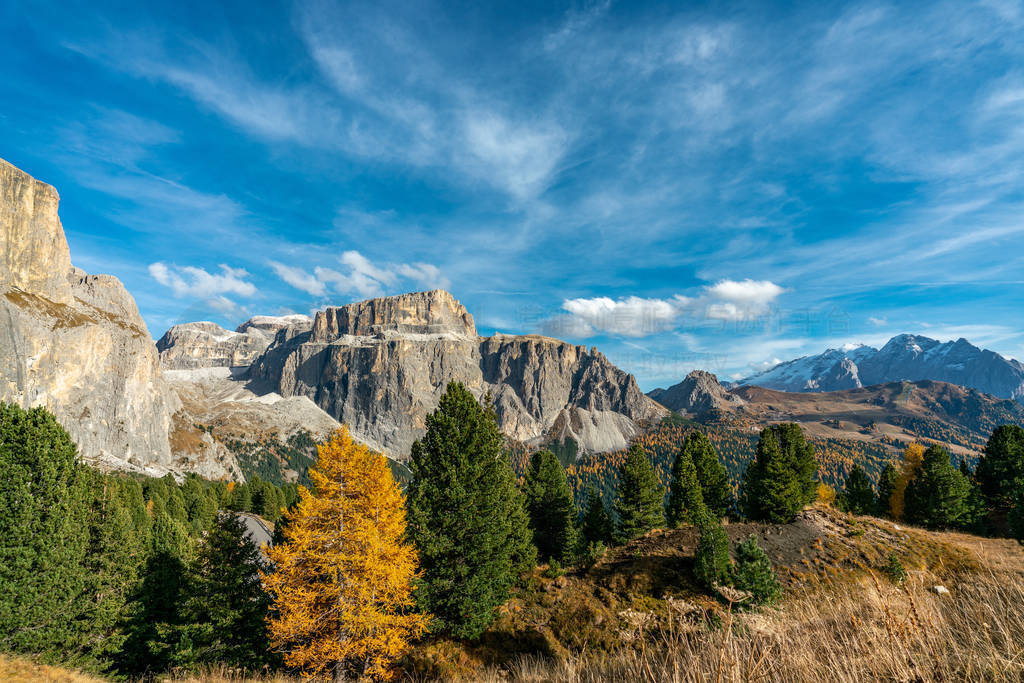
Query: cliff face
<point x="75" y="343"/>
<point x="380" y="366"/>
<point x="208" y="345"/>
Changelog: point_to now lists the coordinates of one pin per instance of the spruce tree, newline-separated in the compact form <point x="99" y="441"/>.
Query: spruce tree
<point x="223" y="608"/>
<point x="939" y="496"/>
<point x="641" y="496"/>
<point x="753" y="572"/>
<point x="1001" y="466"/>
<point x="711" y="563"/>
<point x="858" y="494"/>
<point x="887" y="483"/>
<point x="685" y="498"/>
<point x="711" y="473"/>
<point x="115" y="556"/>
<point x="466" y="516"/>
<point x="781" y="479"/>
<point x="1016" y="515"/>
<point x="43" y="533"/>
<point x="550" y="504"/>
<point x="595" y="522"/>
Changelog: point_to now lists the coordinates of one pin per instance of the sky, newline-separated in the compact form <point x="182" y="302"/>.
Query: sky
<point x="683" y="185"/>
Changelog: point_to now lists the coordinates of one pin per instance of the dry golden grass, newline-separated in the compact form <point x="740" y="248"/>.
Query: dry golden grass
<point x="18" y="670"/>
<point x="868" y="630"/>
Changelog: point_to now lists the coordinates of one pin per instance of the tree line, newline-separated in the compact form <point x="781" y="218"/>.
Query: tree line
<point x="146" y="576"/>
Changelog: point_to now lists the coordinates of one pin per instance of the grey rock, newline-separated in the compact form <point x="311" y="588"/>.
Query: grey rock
<point x="75" y="343"/>
<point x="208" y="345"/>
<point x="699" y="393"/>
<point x="380" y="366"/>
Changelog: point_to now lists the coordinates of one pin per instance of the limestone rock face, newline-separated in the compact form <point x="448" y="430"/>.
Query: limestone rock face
<point x="75" y="343"/>
<point x="699" y="393"/>
<point x="380" y="366"/>
<point x="208" y="345"/>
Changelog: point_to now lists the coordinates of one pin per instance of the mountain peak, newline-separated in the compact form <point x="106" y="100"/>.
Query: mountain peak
<point x="699" y="393"/>
<point x="435" y="313"/>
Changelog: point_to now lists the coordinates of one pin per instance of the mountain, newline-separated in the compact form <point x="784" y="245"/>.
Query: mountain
<point x="380" y="366"/>
<point x="208" y="345"/>
<point x="698" y="394"/>
<point x="75" y="343"/>
<point x="904" y="357"/>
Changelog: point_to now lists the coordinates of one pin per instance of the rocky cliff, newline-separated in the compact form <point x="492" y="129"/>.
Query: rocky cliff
<point x="75" y="343"/>
<point x="380" y="366"/>
<point x="208" y="345"/>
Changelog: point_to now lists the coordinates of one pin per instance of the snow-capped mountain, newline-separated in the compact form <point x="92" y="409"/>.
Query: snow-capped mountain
<point x="904" y="357"/>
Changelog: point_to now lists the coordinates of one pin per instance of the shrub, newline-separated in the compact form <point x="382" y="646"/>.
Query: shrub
<point x="754" y="573"/>
<point x="711" y="563"/>
<point x="895" y="571"/>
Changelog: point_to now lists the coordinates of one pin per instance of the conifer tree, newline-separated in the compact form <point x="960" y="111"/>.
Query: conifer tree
<point x="711" y="473"/>
<point x="886" y="488"/>
<point x="223" y="611"/>
<point x="114" y="558"/>
<point x="711" y="563"/>
<point x="753" y="572"/>
<point x="640" y="504"/>
<point x="1002" y="466"/>
<point x="342" y="579"/>
<point x="595" y="522"/>
<point x="939" y="496"/>
<point x="858" y="494"/>
<point x="550" y="504"/>
<point x="467" y="517"/>
<point x="43" y="533"/>
<point x="685" y="497"/>
<point x="780" y="481"/>
<point x="1016" y="515"/>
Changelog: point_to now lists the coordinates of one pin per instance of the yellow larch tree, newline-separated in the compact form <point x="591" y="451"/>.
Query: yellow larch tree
<point x="342" y="577"/>
<point x="913" y="456"/>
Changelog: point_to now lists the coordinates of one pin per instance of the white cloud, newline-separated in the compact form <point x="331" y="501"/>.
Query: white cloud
<point x="197" y="282"/>
<point x="878" y="322"/>
<point x="359" y="275"/>
<point x="300" y="279"/>
<point x="726" y="300"/>
<point x="629" y="317"/>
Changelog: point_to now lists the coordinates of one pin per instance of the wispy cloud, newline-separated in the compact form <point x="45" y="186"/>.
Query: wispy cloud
<point x="360" y="276"/>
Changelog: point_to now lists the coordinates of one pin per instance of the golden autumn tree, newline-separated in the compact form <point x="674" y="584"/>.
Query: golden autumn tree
<point x="342" y="577"/>
<point x="913" y="456"/>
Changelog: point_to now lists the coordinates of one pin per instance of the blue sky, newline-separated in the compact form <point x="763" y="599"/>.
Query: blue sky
<point x="709" y="185"/>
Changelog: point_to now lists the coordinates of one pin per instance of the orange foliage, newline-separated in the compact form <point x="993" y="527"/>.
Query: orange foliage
<point x="913" y="456"/>
<point x="342" y="578"/>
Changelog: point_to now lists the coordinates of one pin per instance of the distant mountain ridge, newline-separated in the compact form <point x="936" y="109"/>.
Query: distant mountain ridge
<point x="905" y="357"/>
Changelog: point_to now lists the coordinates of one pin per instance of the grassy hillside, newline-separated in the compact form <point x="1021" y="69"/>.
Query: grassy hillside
<point x="637" y="615"/>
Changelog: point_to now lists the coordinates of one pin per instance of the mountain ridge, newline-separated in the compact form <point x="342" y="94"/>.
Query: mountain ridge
<point x="907" y="357"/>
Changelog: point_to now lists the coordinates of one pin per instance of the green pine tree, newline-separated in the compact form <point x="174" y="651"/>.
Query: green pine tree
<point x="685" y="497"/>
<point x="43" y="534"/>
<point x="595" y="522"/>
<point x="754" y="573"/>
<point x="887" y="483"/>
<point x="939" y="496"/>
<point x="641" y="496"/>
<point x="466" y="516"/>
<point x="711" y="563"/>
<point x="711" y="473"/>
<point x="781" y="479"/>
<point x="858" y="495"/>
<point x="222" y="615"/>
<point x="550" y="504"/>
<point x="1001" y="466"/>
<point x="1016" y="516"/>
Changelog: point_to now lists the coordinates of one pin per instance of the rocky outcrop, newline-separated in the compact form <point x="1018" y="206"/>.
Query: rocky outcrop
<point x="75" y="343"/>
<point x="208" y="345"/>
<point x="699" y="393"/>
<point x="380" y="366"/>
